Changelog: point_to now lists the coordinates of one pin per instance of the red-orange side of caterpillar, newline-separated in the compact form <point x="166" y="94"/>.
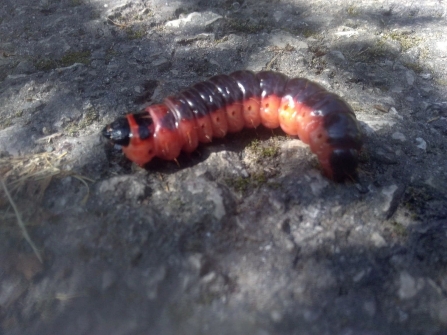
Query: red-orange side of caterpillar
<point x="228" y="103"/>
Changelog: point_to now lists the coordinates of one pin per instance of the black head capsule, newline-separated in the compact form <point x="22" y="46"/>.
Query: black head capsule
<point x="118" y="132"/>
<point x="344" y="164"/>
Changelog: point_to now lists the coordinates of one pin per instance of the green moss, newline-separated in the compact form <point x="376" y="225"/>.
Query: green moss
<point x="309" y="33"/>
<point x="263" y="151"/>
<point x="74" y="3"/>
<point x="179" y="310"/>
<point x="242" y="184"/>
<point x="207" y="298"/>
<point x="221" y="40"/>
<point x="441" y="82"/>
<point x="70" y="58"/>
<point x="364" y="156"/>
<point x="407" y="41"/>
<point x="143" y="15"/>
<point x="304" y="31"/>
<point x="45" y="64"/>
<point x="5" y="123"/>
<point x="110" y="54"/>
<point x="74" y="127"/>
<point x="71" y="129"/>
<point x="352" y="10"/>
<point x="254" y="145"/>
<point x="177" y="204"/>
<point x="135" y="34"/>
<point x="379" y="49"/>
<point x="269" y="152"/>
<point x="95" y="14"/>
<point x="275" y="185"/>
<point x="259" y="178"/>
<point x="245" y="26"/>
<point x="416" y="199"/>
<point x="398" y="229"/>
<point x="376" y="50"/>
<point x="416" y="67"/>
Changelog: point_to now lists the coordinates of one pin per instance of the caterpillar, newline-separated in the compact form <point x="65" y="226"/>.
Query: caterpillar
<point x="228" y="103"/>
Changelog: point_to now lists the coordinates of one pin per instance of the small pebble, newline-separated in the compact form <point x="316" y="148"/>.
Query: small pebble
<point x="397" y="89"/>
<point x="394" y="112"/>
<point x="408" y="286"/>
<point x="421" y="144"/>
<point x="399" y="136"/>
<point x="338" y="54"/>
<point x="410" y="77"/>
<point x="159" y="62"/>
<point x="209" y="277"/>
<point x="442" y="311"/>
<point x="369" y="307"/>
<point x="276" y="316"/>
<point x="388" y="193"/>
<point x="359" y="276"/>
<point x="403" y="316"/>
<point x="378" y="240"/>
<point x="235" y="6"/>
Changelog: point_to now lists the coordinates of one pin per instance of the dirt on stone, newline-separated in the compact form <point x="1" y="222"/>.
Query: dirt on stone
<point x="244" y="236"/>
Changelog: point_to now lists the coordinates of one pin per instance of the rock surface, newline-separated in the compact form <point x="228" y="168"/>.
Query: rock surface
<point x="246" y="236"/>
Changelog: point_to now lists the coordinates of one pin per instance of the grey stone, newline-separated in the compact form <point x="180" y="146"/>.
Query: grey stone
<point x="421" y="144"/>
<point x="25" y="67"/>
<point x="244" y="227"/>
<point x="410" y="76"/>
<point x="194" y="19"/>
<point x="399" y="136"/>
<point x="408" y="286"/>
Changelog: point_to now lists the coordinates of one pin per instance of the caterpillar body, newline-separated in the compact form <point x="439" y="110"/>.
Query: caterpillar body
<point x="228" y="103"/>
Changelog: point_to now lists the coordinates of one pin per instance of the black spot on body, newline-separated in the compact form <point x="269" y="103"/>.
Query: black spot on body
<point x="248" y="83"/>
<point x="227" y="87"/>
<point x="210" y="95"/>
<point x="302" y="89"/>
<point x="272" y="83"/>
<point x="144" y="121"/>
<point x="195" y="102"/>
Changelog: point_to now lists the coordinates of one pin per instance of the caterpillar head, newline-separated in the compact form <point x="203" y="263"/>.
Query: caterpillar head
<point x="118" y="132"/>
<point x="343" y="164"/>
<point x="134" y="133"/>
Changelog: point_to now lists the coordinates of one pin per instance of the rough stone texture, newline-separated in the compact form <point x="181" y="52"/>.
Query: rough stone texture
<point x="246" y="236"/>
